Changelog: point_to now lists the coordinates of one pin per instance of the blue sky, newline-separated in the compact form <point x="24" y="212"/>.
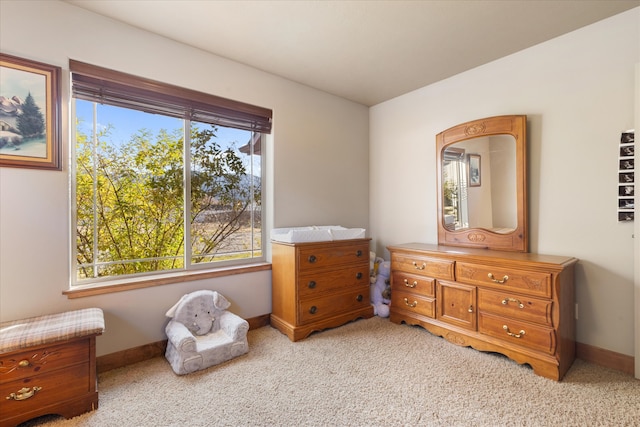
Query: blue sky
<point x="127" y="122"/>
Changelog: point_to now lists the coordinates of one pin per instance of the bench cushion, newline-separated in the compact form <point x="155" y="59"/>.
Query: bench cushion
<point x="18" y="334"/>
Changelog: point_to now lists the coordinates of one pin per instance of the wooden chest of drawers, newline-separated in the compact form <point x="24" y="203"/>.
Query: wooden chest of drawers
<point x="517" y="304"/>
<point x="47" y="366"/>
<point x="319" y="285"/>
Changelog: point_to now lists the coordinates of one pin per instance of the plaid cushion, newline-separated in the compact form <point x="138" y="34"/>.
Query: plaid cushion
<point x="18" y="334"/>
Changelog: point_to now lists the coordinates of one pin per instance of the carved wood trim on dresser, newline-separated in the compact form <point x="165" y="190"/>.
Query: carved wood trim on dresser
<point x="514" y="303"/>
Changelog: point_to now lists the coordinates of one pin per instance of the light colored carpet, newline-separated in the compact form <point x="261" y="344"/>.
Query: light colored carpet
<point x="366" y="373"/>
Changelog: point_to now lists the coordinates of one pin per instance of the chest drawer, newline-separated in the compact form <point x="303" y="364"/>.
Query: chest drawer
<point x="515" y="306"/>
<point x="414" y="303"/>
<point x="417" y="285"/>
<point x="526" y="334"/>
<point x="529" y="282"/>
<point x="42" y="390"/>
<point x="321" y="257"/>
<point x="37" y="361"/>
<point x="312" y="310"/>
<point x="316" y="284"/>
<point x="425" y="266"/>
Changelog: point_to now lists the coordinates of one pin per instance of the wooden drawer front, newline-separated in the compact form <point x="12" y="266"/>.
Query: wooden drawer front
<point x="532" y="283"/>
<point x="52" y="387"/>
<point x="313" y="310"/>
<point x="515" y="306"/>
<point x="41" y="360"/>
<point x="532" y="336"/>
<point x="413" y="303"/>
<point x="432" y="267"/>
<point x="313" y="258"/>
<point x="456" y="304"/>
<point x="319" y="283"/>
<point x="415" y="284"/>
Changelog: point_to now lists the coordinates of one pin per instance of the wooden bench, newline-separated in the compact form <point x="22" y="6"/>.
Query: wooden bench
<point x="48" y="365"/>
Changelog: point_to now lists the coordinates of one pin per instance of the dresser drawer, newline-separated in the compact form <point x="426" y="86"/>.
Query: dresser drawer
<point x="457" y="304"/>
<point x="414" y="303"/>
<point x="515" y="306"/>
<point x="529" y="282"/>
<point x="317" y="284"/>
<point x="312" y="310"/>
<point x="425" y="266"/>
<point x="417" y="285"/>
<point x="532" y="336"/>
<point x="321" y="257"/>
<point x="26" y="363"/>
<point x="45" y="389"/>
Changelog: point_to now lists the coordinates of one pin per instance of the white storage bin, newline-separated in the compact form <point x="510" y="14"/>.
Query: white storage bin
<point x="316" y="234"/>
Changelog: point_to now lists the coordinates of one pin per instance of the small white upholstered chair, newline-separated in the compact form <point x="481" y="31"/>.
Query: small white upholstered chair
<point x="202" y="333"/>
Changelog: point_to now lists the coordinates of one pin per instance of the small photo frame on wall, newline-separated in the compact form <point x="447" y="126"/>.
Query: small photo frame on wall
<point x="474" y="170"/>
<point x="627" y="149"/>
<point x="627" y="164"/>
<point x="626" y="177"/>
<point x="626" y="191"/>
<point x="29" y="114"/>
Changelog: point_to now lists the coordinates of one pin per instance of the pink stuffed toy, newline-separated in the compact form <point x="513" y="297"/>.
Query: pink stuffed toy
<point x="378" y="289"/>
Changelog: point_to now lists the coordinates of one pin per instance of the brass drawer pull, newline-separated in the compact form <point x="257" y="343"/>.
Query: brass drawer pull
<point x="422" y="267"/>
<point x="508" y="300"/>
<point x="511" y="334"/>
<point x="24" y="363"/>
<point x="493" y="279"/>
<point x="413" y="304"/>
<point x="24" y="393"/>
<point x="410" y="285"/>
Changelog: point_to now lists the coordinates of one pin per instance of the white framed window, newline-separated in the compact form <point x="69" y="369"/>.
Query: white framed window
<point x="163" y="179"/>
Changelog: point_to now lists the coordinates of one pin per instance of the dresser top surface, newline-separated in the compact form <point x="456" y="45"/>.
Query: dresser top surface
<point x="470" y="254"/>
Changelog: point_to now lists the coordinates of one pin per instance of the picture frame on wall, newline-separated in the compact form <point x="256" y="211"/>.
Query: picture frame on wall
<point x="474" y="170"/>
<point x="626" y="177"/>
<point x="29" y="114"/>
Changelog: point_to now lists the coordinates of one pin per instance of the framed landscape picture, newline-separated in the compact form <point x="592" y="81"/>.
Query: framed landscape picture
<point x="29" y="114"/>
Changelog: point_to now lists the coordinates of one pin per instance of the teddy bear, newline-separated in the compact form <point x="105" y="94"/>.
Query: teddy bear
<point x="380" y="290"/>
<point x="374" y="262"/>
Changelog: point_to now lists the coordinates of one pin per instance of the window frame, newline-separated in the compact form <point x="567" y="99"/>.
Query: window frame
<point x="172" y="101"/>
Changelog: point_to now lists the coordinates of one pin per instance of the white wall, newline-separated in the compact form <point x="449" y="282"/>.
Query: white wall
<point x="578" y="92"/>
<point x="317" y="167"/>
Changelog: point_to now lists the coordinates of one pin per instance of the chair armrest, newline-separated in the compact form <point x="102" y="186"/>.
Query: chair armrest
<point x="180" y="337"/>
<point x="234" y="326"/>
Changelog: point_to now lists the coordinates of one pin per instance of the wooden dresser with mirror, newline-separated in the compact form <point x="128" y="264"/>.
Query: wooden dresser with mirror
<point x="479" y="286"/>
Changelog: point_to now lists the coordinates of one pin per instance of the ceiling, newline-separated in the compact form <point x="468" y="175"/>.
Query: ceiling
<point x="366" y="51"/>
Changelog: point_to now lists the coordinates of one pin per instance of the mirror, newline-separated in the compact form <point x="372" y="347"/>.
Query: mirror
<point x="482" y="184"/>
<point x="479" y="187"/>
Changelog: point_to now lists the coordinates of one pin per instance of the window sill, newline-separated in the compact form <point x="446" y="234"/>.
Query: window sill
<point x="186" y="276"/>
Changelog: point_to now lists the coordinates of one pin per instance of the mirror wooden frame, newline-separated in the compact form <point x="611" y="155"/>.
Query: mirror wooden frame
<point x="518" y="239"/>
